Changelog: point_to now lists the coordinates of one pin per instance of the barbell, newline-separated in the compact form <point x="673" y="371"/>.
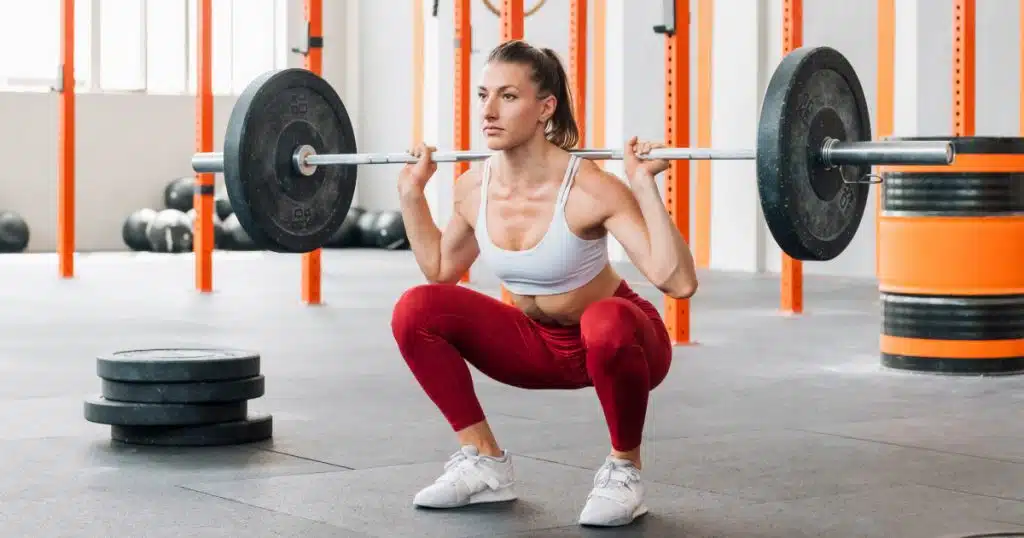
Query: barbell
<point x="289" y="157"/>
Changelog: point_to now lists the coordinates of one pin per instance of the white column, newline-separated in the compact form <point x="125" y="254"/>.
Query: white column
<point x="438" y="99"/>
<point x="635" y="91"/>
<point x="905" y="75"/>
<point x="739" y="80"/>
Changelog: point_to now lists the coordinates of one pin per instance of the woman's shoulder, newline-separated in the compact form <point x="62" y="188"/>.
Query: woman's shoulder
<point x="599" y="183"/>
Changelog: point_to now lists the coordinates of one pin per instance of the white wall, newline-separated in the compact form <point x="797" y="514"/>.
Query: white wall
<point x="129" y="147"/>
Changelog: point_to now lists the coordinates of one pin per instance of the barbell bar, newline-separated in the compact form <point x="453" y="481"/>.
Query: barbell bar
<point x="832" y="153"/>
<point x="290" y="161"/>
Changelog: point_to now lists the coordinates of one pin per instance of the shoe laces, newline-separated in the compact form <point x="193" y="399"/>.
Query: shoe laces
<point x="615" y="477"/>
<point x="464" y="465"/>
<point x="616" y="473"/>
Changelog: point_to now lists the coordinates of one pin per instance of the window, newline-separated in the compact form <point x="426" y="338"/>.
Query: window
<point x="244" y="41"/>
<point x="31" y="39"/>
<point x="122" y="35"/>
<point x="221" y="45"/>
<point x="166" y="46"/>
<point x="140" y="45"/>
<point x="252" y="27"/>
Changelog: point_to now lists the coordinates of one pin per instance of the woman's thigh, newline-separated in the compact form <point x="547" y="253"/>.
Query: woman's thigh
<point x="498" y="339"/>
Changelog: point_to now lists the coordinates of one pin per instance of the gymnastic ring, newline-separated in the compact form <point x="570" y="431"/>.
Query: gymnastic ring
<point x="536" y="7"/>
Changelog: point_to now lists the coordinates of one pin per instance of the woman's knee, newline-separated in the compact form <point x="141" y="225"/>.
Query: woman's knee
<point x="609" y="327"/>
<point x="415" y="308"/>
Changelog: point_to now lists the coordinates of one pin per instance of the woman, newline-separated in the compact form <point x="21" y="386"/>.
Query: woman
<point x="539" y="218"/>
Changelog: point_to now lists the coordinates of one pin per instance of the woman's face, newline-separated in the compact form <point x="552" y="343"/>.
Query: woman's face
<point x="510" y="111"/>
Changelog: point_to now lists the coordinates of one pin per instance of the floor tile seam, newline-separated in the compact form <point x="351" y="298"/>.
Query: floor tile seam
<point x="915" y="447"/>
<point x="645" y="480"/>
<point x="971" y="493"/>
<point x="304" y="458"/>
<point x="266" y="509"/>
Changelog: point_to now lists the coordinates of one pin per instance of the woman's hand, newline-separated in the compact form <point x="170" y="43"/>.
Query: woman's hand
<point x="414" y="176"/>
<point x="632" y="154"/>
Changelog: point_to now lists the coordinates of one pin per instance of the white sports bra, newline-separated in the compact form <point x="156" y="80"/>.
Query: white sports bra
<point x="560" y="262"/>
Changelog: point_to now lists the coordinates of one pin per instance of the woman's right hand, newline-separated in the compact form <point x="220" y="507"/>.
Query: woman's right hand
<point x="414" y="176"/>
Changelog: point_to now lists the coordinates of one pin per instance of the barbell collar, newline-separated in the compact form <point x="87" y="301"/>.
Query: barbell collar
<point x="208" y="163"/>
<point x="891" y="152"/>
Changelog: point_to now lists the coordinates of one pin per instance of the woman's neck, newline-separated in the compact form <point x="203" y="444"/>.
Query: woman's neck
<point x="527" y="164"/>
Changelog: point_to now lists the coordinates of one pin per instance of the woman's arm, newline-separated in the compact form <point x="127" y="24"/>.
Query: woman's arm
<point x="443" y="256"/>
<point x="637" y="218"/>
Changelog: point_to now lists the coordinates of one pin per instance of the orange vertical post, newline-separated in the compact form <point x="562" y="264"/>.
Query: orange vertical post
<point x="886" y="97"/>
<point x="512" y="22"/>
<point x="202" y="247"/>
<point x="601" y="72"/>
<point x="792" y="270"/>
<point x="578" y="64"/>
<point x="463" y="55"/>
<point x="66" y="144"/>
<point x="702" y="218"/>
<point x="677" y="134"/>
<point x="311" y="289"/>
<point x="417" y="71"/>
<point x="963" y="67"/>
<point x="1020" y="45"/>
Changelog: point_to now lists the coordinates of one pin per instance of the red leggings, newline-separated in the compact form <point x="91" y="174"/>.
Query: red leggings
<point x="620" y="347"/>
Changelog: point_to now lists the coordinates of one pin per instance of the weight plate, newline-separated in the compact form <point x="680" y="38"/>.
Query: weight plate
<point x="281" y="209"/>
<point x="249" y="430"/>
<point x="233" y="390"/>
<point x="178" y="365"/>
<point x="812" y="213"/>
<point x="102" y="411"/>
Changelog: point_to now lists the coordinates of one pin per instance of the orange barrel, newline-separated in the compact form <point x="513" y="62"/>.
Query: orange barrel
<point x="951" y="261"/>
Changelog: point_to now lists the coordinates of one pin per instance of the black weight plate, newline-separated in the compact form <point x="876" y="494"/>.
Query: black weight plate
<point x="811" y="212"/>
<point x="281" y="209"/>
<point x="178" y="365"/>
<point x="252" y="429"/>
<point x="102" y="411"/>
<point x="232" y="390"/>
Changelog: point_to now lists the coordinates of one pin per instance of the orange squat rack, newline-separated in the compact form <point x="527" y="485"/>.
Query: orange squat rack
<point x="203" y="198"/>
<point x="66" y="144"/>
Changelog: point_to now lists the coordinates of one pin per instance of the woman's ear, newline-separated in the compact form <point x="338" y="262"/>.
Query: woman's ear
<point x="550" y="105"/>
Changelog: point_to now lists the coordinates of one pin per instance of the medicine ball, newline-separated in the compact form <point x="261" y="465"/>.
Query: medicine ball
<point x="348" y="234"/>
<point x="222" y="204"/>
<point x="133" y="231"/>
<point x="236" y="237"/>
<point x="178" y="193"/>
<point x="170" y="231"/>
<point x="365" y="229"/>
<point x="389" y="231"/>
<point x="13" y="232"/>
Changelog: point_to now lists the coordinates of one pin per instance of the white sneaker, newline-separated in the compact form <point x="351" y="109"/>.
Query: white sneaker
<point x="618" y="496"/>
<point x="470" y="478"/>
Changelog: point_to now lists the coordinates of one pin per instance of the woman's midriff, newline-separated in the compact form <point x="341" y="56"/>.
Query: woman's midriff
<point x="567" y="308"/>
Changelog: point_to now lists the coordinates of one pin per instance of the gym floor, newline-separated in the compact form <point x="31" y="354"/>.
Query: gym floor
<point x="768" y="427"/>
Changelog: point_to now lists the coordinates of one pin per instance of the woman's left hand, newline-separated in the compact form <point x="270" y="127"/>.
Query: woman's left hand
<point x="632" y="157"/>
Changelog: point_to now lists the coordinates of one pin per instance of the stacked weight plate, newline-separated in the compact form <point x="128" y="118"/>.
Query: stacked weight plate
<point x="180" y="397"/>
